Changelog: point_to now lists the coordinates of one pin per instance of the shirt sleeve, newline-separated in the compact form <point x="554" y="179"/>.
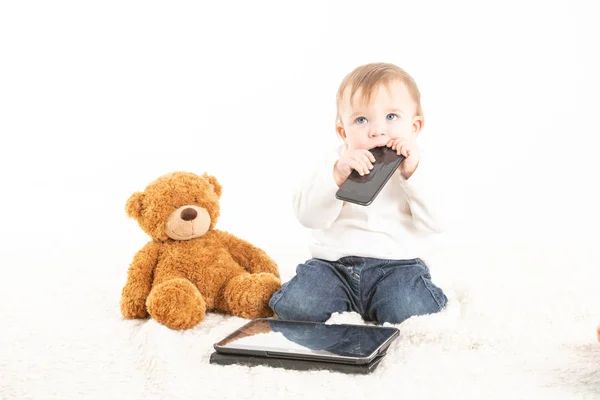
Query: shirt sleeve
<point x="424" y="201"/>
<point x="314" y="201"/>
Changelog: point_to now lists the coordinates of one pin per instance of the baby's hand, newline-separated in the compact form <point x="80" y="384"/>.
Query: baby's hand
<point x="408" y="149"/>
<point x="360" y="160"/>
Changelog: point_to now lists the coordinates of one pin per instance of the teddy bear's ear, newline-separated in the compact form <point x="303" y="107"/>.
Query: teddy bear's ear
<point x="134" y="205"/>
<point x="215" y="184"/>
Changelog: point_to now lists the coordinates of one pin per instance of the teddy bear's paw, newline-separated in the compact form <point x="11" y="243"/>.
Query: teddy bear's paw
<point x="263" y="263"/>
<point x="248" y="295"/>
<point x="177" y="304"/>
<point x="132" y="308"/>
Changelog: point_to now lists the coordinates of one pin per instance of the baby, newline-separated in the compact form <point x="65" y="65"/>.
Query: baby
<point x="362" y="257"/>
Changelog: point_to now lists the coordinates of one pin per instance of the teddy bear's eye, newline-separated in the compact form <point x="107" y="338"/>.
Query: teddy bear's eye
<point x="195" y="199"/>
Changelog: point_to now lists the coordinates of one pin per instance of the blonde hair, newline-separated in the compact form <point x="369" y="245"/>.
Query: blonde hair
<point x="369" y="76"/>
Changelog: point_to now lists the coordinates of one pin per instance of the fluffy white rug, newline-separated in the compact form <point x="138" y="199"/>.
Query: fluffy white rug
<point x="520" y="325"/>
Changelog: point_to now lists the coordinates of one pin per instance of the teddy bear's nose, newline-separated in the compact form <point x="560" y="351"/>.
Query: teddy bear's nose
<point x="189" y="214"/>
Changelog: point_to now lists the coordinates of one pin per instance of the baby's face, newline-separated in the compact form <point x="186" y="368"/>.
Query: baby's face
<point x="390" y="115"/>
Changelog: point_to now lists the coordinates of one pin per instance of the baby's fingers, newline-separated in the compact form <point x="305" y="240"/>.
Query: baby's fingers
<point x="368" y="161"/>
<point x="369" y="156"/>
<point x="365" y="165"/>
<point x="360" y="166"/>
<point x="397" y="144"/>
<point x="398" y="147"/>
<point x="404" y="149"/>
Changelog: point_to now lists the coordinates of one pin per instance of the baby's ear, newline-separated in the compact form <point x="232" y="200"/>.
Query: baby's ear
<point x="418" y="123"/>
<point x="134" y="205"/>
<point x="339" y="128"/>
<point x="215" y="184"/>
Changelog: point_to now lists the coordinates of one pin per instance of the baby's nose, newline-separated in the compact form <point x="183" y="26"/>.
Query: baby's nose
<point x="376" y="132"/>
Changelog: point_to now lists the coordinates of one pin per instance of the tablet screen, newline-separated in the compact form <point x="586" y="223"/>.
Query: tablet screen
<point x="297" y="338"/>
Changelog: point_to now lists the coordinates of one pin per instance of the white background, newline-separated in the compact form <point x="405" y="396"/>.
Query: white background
<point x="99" y="98"/>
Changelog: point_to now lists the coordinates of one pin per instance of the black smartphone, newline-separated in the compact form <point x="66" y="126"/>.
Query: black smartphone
<point x="364" y="189"/>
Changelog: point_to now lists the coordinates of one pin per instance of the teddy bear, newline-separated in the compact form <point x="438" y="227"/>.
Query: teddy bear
<point x="188" y="267"/>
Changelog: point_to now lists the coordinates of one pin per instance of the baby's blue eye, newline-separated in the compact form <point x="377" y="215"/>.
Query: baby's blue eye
<point x="391" y="117"/>
<point x="361" y="120"/>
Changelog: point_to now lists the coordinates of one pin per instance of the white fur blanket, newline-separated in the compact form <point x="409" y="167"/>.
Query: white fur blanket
<point x="520" y="324"/>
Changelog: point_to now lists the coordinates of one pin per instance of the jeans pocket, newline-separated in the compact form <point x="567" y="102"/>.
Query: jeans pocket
<point x="423" y="264"/>
<point x="383" y="267"/>
<point x="437" y="293"/>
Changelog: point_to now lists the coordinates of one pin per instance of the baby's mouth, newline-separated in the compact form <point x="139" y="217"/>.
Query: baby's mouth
<point x="380" y="143"/>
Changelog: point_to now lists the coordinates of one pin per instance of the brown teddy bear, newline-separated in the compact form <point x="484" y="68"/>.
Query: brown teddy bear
<point x="189" y="268"/>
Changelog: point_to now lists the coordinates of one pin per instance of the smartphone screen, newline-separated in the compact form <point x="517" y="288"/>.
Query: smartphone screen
<point x="364" y="189"/>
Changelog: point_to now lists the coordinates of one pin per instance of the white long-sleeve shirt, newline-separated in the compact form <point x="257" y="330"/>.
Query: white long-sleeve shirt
<point x="389" y="228"/>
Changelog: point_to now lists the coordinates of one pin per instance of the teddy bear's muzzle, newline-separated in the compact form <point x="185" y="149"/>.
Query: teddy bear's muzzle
<point x="187" y="222"/>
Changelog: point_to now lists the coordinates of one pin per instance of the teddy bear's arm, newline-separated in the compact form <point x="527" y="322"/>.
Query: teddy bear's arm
<point x="139" y="282"/>
<point x="253" y="259"/>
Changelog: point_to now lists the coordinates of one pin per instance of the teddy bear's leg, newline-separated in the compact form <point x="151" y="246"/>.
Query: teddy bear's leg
<point x="176" y="303"/>
<point x="247" y="295"/>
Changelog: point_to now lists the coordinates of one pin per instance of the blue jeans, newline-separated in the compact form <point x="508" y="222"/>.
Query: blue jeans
<point x="379" y="290"/>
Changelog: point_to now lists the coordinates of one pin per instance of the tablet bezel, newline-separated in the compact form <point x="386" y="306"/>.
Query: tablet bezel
<point x="297" y="354"/>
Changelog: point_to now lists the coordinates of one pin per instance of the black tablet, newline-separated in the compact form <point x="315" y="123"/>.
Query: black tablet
<point x="364" y="189"/>
<point x="294" y="364"/>
<point x="349" y="344"/>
